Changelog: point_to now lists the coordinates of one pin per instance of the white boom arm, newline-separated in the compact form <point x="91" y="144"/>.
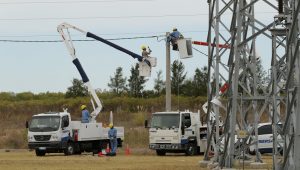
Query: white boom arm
<point x="145" y="64"/>
<point x="62" y="28"/>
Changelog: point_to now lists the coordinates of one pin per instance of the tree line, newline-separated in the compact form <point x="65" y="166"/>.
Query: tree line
<point x="134" y="86"/>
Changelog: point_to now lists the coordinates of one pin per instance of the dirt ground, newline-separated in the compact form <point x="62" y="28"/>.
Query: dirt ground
<point x="26" y="160"/>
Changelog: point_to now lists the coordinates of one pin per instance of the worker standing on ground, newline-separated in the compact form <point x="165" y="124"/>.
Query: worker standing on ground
<point x="112" y="134"/>
<point x="173" y="37"/>
<point x="145" y="53"/>
<point x="85" y="118"/>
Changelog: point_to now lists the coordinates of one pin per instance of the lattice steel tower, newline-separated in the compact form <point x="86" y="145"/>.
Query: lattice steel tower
<point x="253" y="27"/>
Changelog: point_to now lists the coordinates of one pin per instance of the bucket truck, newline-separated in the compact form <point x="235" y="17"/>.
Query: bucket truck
<point x="54" y="132"/>
<point x="177" y="132"/>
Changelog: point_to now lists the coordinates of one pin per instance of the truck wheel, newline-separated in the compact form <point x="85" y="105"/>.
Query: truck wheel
<point x="191" y="149"/>
<point x="77" y="150"/>
<point x="160" y="152"/>
<point x="69" y="150"/>
<point x="40" y="153"/>
<point x="251" y="152"/>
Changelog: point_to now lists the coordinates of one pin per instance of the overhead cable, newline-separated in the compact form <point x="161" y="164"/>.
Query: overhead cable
<point x="105" y="17"/>
<point x="68" y="2"/>
<point x="78" y="40"/>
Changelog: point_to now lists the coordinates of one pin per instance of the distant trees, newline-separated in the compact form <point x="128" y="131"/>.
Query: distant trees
<point x="136" y="83"/>
<point x="118" y="83"/>
<point x="196" y="86"/>
<point x="159" y="84"/>
<point x="261" y="74"/>
<point x="177" y="77"/>
<point x="200" y="82"/>
<point x="78" y="89"/>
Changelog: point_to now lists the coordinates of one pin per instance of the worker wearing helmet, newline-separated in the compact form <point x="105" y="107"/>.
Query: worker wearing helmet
<point x="145" y="53"/>
<point x="112" y="134"/>
<point x="85" y="118"/>
<point x="173" y="37"/>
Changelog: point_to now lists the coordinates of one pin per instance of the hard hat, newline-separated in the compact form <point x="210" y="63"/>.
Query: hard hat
<point x="111" y="125"/>
<point x="174" y="29"/>
<point x="83" y="107"/>
<point x="143" y="47"/>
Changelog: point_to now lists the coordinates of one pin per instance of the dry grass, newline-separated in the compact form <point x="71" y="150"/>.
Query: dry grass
<point x="142" y="159"/>
<point x="28" y="161"/>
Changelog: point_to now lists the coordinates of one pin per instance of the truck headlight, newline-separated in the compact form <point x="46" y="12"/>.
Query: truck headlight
<point x="30" y="138"/>
<point x="54" y="137"/>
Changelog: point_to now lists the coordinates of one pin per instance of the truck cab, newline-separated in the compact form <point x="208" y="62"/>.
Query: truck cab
<point x="49" y="132"/>
<point x="175" y="132"/>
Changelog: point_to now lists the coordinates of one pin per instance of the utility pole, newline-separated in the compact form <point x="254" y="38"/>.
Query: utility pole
<point x="168" y="77"/>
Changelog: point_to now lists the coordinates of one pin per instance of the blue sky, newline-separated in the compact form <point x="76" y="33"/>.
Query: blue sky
<point x="41" y="67"/>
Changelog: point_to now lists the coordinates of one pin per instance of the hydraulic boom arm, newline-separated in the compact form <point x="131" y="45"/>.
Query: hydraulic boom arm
<point x="63" y="29"/>
<point x="68" y="42"/>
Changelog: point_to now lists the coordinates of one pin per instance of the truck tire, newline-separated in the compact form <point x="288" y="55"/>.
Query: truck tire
<point x="69" y="150"/>
<point x="40" y="152"/>
<point x="77" y="150"/>
<point x="252" y="152"/>
<point x="160" y="152"/>
<point x="191" y="149"/>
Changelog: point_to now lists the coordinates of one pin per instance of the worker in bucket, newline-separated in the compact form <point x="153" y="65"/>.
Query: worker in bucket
<point x="145" y="53"/>
<point x="173" y="37"/>
<point x="112" y="134"/>
<point x="85" y="118"/>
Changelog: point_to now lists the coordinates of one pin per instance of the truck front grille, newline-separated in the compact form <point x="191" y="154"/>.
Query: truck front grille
<point x="42" y="137"/>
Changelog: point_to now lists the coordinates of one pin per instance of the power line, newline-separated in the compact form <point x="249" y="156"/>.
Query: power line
<point x="200" y="51"/>
<point x="67" y="2"/>
<point x="132" y="33"/>
<point x="79" y="40"/>
<point x="107" y="17"/>
<point x="113" y="17"/>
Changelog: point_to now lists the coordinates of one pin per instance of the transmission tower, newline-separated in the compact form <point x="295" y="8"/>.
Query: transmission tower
<point x="245" y="24"/>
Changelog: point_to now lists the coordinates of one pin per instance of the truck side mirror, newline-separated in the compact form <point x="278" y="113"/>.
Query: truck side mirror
<point x="27" y="124"/>
<point x="146" y="124"/>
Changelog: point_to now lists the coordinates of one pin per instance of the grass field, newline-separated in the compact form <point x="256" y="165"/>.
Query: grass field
<point x="25" y="160"/>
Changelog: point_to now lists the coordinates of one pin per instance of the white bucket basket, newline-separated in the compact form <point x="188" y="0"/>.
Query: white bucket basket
<point x="185" y="48"/>
<point x="144" y="69"/>
<point x="153" y="61"/>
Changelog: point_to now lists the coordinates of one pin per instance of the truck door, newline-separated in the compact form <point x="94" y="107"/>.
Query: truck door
<point x="66" y="129"/>
<point x="186" y="125"/>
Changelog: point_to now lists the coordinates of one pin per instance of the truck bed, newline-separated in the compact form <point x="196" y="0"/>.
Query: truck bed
<point x="94" y="131"/>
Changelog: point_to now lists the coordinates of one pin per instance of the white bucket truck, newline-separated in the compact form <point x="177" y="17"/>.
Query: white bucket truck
<point x="177" y="132"/>
<point x="54" y="132"/>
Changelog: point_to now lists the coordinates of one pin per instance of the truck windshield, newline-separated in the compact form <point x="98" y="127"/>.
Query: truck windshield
<point x="44" y="123"/>
<point x="164" y="121"/>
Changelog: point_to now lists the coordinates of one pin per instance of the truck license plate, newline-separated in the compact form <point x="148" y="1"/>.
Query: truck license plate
<point x="42" y="148"/>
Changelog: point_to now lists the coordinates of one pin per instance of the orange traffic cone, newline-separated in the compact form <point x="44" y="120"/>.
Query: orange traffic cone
<point x="107" y="149"/>
<point x="127" y="150"/>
